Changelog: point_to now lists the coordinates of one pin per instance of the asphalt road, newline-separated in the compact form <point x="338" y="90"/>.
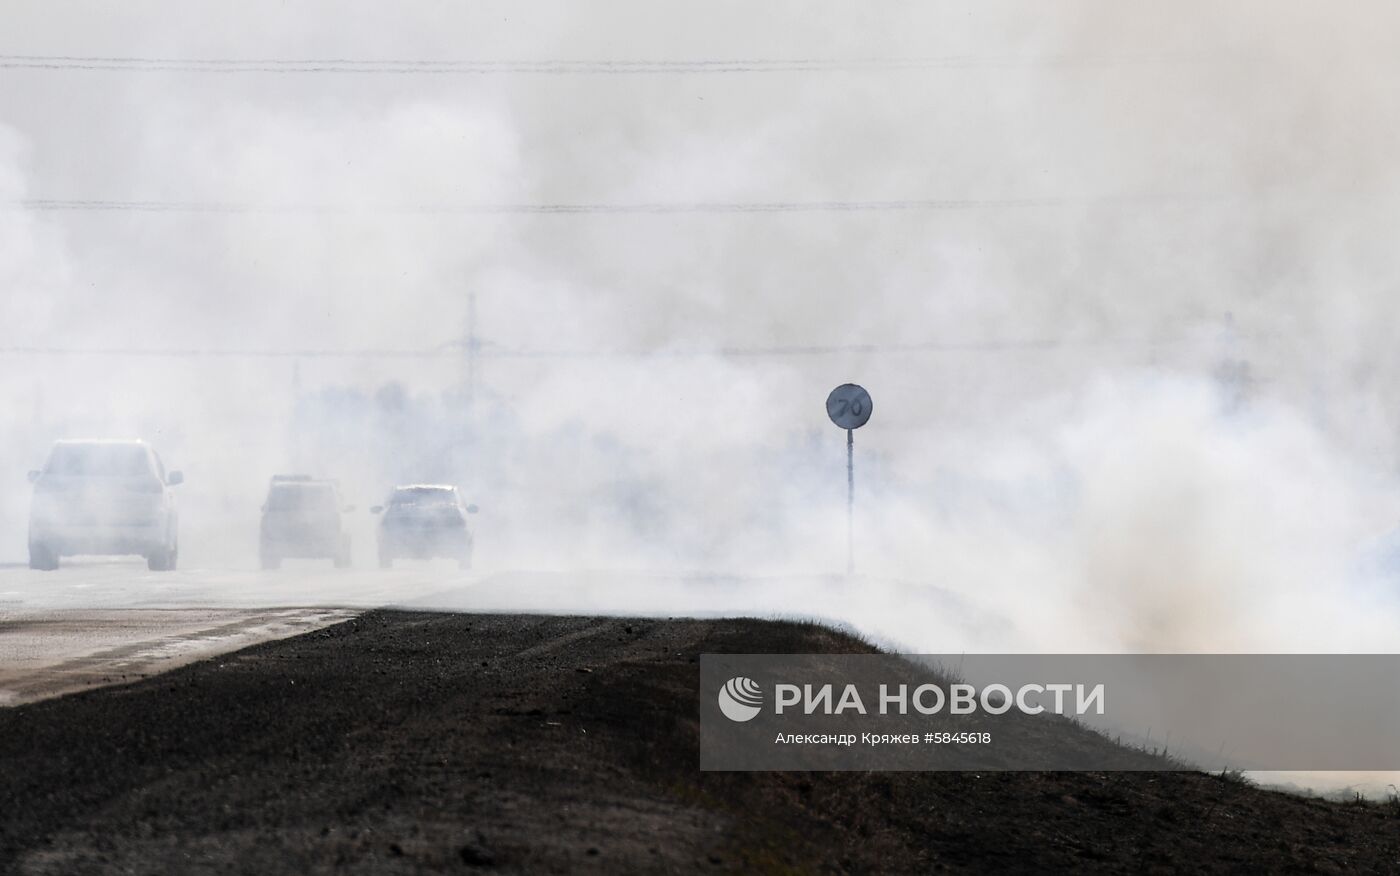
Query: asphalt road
<point x="44" y="654"/>
<point x="99" y="622"/>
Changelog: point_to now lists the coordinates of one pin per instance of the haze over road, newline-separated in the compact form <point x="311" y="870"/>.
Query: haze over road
<point x="102" y="622"/>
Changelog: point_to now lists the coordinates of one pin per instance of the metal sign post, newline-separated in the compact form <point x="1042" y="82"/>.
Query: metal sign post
<point x="850" y="501"/>
<point x="849" y="407"/>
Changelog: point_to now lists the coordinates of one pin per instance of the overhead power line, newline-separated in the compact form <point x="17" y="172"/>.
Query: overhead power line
<point x="453" y="350"/>
<point x="640" y="207"/>
<point x="567" y="67"/>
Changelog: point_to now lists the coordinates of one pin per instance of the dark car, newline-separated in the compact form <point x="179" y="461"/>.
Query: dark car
<point x="422" y="521"/>
<point x="301" y="518"/>
<point x="103" y="497"/>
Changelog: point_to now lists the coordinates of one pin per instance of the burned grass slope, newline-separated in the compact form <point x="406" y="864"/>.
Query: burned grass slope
<point x="428" y="742"/>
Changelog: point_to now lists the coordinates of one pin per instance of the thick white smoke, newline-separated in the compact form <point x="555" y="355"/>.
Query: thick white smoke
<point x="1117" y="181"/>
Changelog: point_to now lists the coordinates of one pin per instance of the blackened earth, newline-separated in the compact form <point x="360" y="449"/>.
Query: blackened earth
<point x="405" y="743"/>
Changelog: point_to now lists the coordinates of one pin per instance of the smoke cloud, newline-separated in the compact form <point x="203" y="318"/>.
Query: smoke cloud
<point x="1132" y="372"/>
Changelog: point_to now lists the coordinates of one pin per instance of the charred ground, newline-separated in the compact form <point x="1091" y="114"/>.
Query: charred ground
<point x="405" y="742"/>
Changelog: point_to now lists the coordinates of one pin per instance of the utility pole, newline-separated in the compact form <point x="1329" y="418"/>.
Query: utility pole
<point x="471" y="349"/>
<point x="297" y="439"/>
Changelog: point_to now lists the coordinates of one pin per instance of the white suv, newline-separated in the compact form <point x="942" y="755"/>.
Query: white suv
<point x="103" y="497"/>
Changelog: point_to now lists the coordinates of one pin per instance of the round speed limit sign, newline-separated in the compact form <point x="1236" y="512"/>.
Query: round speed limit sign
<point x="849" y="406"/>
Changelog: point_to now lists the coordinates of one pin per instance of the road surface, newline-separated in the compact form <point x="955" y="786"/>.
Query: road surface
<point x="100" y="621"/>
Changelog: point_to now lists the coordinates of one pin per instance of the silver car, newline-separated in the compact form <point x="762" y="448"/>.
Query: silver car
<point x="421" y="521"/>
<point x="103" y="497"/>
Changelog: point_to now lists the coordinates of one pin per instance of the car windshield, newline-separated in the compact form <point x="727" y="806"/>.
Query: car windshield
<point x="422" y="498"/>
<point x="119" y="460"/>
<point x="313" y="498"/>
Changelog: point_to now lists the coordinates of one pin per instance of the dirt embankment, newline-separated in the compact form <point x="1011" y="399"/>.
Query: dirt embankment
<point x="401" y="743"/>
